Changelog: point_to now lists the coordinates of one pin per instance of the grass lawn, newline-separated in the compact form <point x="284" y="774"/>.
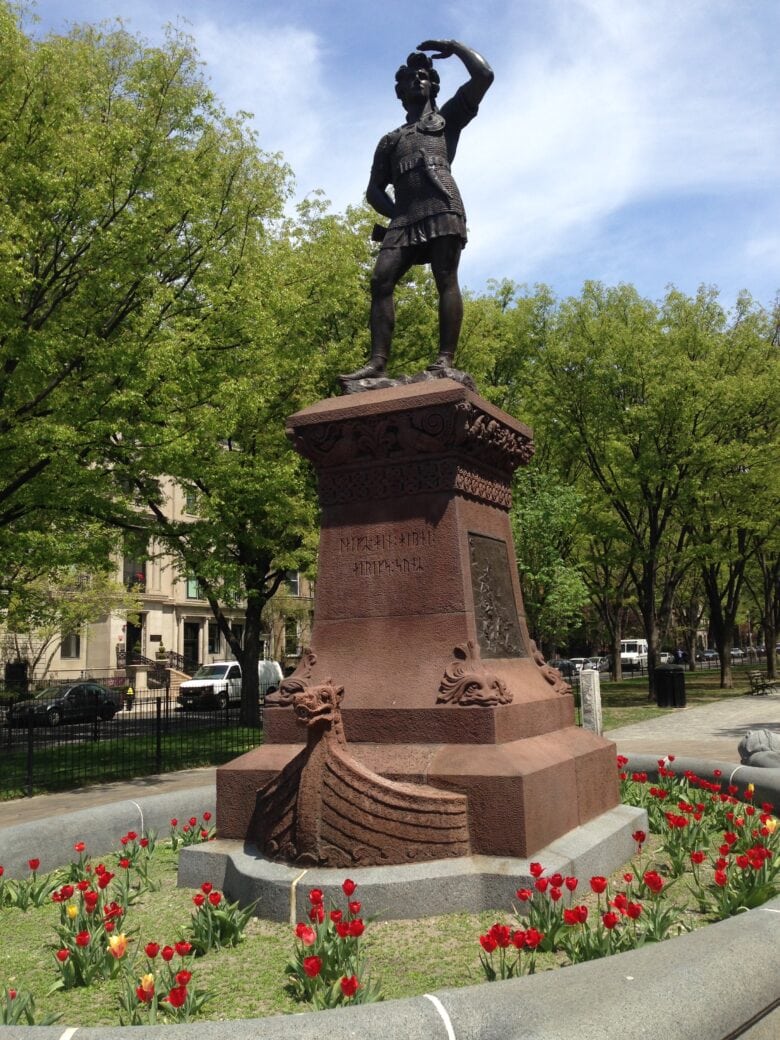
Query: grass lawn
<point x="406" y="957"/>
<point x="625" y="702"/>
<point x="79" y="764"/>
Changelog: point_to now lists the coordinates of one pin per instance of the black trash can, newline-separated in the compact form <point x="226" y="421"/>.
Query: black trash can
<point x="670" y="686"/>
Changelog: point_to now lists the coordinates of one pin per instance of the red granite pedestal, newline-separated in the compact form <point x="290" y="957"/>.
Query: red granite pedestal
<point x="418" y="614"/>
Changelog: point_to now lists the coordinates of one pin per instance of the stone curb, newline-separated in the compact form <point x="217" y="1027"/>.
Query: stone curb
<point x="717" y="983"/>
<point x="51" y="840"/>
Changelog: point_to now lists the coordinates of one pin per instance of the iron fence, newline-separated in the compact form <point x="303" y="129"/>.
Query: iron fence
<point x="150" y="735"/>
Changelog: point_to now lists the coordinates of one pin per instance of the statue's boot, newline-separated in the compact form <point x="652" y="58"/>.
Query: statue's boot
<point x="375" y="369"/>
<point x="444" y="360"/>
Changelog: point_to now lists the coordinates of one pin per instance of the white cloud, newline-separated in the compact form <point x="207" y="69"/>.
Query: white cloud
<point x="623" y="102"/>
<point x="274" y="73"/>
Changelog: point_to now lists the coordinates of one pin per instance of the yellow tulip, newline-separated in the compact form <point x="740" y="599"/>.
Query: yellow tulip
<point x="72" y="911"/>
<point x="771" y="824"/>
<point x="145" y="991"/>
<point x="117" y="945"/>
<point x="750" y="788"/>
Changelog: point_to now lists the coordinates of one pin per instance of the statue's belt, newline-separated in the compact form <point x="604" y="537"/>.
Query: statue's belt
<point x="431" y="165"/>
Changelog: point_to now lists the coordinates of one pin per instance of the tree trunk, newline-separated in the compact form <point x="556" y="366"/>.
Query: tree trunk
<point x="250" y="681"/>
<point x="646" y="591"/>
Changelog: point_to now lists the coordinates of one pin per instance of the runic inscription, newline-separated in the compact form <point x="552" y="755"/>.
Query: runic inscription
<point x="386" y="554"/>
<point x="498" y="628"/>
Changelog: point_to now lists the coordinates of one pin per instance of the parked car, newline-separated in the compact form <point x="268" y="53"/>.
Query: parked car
<point x="80" y="702"/>
<point x="737" y="653"/>
<point x="600" y="664"/>
<point x="565" y="667"/>
<point x="218" y="685"/>
<point x="578" y="662"/>
<point x="707" y="655"/>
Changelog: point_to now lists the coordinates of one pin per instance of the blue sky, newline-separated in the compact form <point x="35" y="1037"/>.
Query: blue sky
<point x="623" y="140"/>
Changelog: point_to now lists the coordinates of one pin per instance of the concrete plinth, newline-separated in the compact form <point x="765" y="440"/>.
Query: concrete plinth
<point x="470" y="884"/>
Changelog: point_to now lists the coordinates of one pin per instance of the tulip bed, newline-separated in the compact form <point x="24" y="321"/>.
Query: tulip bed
<point x="115" y="941"/>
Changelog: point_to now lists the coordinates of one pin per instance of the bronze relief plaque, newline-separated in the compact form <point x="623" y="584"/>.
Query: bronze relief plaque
<point x="495" y="608"/>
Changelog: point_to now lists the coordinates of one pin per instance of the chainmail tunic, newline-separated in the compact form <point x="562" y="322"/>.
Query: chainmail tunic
<point x="416" y="160"/>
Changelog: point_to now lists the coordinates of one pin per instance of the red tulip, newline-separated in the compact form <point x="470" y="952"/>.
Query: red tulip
<point x="177" y="996"/>
<point x="306" y="934"/>
<point x="312" y="966"/>
<point x="350" y="986"/>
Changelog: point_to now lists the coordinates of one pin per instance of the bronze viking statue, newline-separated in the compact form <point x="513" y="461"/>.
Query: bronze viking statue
<point x="427" y="219"/>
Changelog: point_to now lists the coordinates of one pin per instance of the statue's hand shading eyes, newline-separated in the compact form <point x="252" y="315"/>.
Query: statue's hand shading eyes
<point x="443" y="47"/>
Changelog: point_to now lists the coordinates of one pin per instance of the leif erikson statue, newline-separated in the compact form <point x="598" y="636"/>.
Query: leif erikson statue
<point x="427" y="219"/>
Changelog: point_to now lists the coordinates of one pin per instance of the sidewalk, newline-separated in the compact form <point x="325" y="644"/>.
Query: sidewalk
<point x="42" y="806"/>
<point x="703" y="731"/>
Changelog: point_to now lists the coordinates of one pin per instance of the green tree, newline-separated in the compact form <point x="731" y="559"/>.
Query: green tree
<point x="270" y="346"/>
<point x="45" y="608"/>
<point x="544" y="521"/>
<point x="135" y="216"/>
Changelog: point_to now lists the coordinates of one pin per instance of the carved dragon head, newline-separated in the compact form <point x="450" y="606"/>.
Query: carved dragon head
<point x="318" y="705"/>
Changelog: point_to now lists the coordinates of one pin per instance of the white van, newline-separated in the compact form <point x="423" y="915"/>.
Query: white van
<point x="633" y="654"/>
<point x="219" y="684"/>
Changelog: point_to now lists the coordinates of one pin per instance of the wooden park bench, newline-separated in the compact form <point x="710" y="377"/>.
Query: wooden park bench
<point x="760" y="684"/>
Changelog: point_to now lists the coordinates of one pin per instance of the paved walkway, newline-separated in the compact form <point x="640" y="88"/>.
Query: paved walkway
<point x="42" y="806"/>
<point x="704" y="731"/>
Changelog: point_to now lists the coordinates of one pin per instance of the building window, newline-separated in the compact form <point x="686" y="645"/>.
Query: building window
<point x="291" y="637"/>
<point x="214" y="638"/>
<point x="293" y="583"/>
<point x="238" y="632"/>
<point x="190" y="502"/>
<point x="71" y="645"/>
<point x="134" y="573"/>
<point x="194" y="589"/>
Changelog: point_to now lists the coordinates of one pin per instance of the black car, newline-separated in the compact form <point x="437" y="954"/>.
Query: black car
<point x="707" y="655"/>
<point x="568" y="669"/>
<point x="81" y="702"/>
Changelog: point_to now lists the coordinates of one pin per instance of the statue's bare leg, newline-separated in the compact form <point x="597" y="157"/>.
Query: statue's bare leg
<point x="391" y="266"/>
<point x="445" y="257"/>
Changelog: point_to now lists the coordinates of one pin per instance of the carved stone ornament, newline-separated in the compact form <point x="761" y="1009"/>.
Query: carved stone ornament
<point x="495" y="609"/>
<point x="552" y="675"/>
<point x="408" y="434"/>
<point x="467" y="682"/>
<point x="295" y="683"/>
<point x="326" y="809"/>
<point x="396" y="480"/>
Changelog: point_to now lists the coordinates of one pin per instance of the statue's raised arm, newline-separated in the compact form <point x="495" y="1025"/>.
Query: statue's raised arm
<point x="427" y="218"/>
<point x="481" y="73"/>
